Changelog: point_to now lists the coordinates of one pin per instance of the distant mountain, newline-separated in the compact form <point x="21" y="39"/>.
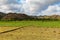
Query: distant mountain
<point x="21" y="16"/>
<point x="15" y="16"/>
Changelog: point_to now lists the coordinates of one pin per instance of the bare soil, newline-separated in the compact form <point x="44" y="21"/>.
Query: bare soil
<point x="30" y="33"/>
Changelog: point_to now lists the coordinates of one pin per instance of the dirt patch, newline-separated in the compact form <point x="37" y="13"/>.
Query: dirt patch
<point x="31" y="33"/>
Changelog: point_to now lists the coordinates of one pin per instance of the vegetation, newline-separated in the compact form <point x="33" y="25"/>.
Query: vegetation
<point x="30" y="23"/>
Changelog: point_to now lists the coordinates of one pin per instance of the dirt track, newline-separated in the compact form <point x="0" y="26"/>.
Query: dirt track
<point x="30" y="33"/>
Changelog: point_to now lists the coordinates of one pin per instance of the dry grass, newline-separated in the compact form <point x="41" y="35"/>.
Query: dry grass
<point x="31" y="33"/>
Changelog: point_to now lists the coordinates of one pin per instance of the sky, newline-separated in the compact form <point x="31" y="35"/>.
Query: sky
<point x="31" y="7"/>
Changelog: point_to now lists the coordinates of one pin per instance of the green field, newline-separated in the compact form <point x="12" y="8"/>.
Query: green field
<point x="30" y="23"/>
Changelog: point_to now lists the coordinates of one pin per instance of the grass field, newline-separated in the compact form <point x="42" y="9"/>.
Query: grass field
<point x="30" y="23"/>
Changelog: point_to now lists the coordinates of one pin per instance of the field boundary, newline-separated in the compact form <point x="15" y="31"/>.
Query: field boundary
<point x="10" y="30"/>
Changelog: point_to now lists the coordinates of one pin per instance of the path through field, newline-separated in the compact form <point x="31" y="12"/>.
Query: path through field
<point x="30" y="33"/>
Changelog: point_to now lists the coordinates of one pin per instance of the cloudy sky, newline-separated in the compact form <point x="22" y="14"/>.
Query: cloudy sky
<point x="31" y="7"/>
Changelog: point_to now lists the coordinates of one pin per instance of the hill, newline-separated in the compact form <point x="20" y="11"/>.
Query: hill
<point x="21" y="16"/>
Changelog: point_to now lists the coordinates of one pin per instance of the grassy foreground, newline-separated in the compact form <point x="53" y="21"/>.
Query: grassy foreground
<point x="30" y="23"/>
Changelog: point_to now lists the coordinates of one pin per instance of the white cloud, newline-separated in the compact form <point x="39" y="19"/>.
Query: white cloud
<point x="51" y="10"/>
<point x="30" y="7"/>
<point x="34" y="7"/>
<point x="9" y="6"/>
